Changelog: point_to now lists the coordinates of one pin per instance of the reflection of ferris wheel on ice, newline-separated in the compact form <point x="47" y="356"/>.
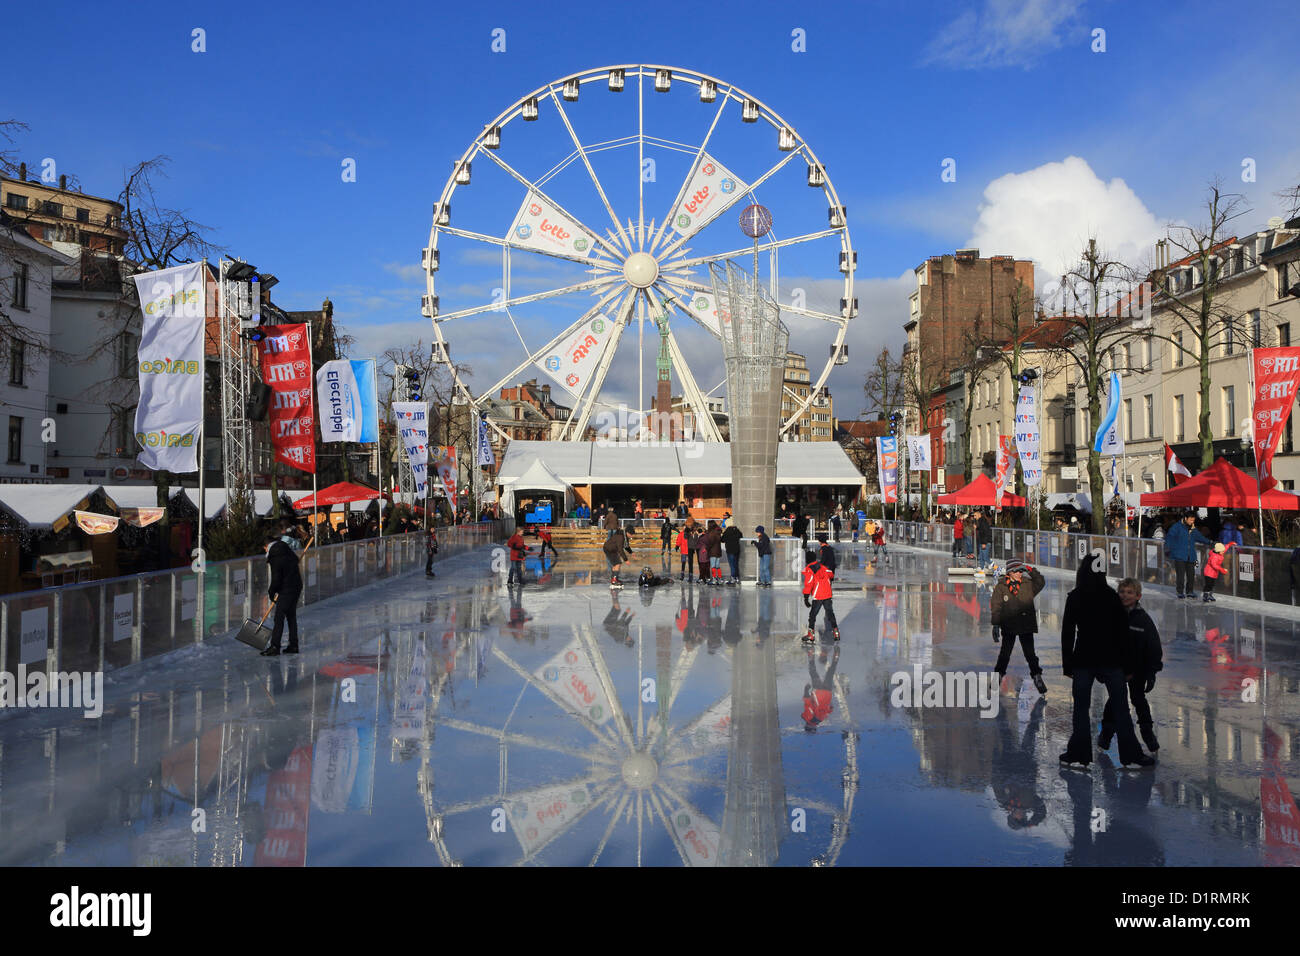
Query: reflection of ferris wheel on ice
<point x="581" y="255"/>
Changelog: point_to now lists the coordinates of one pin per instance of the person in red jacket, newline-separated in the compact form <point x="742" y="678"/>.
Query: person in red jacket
<point x="517" y="551"/>
<point x="817" y="698"/>
<point x="1214" y="568"/>
<point x="817" y="595"/>
<point x="685" y="544"/>
<point x="958" y="537"/>
<point x="544" y="533"/>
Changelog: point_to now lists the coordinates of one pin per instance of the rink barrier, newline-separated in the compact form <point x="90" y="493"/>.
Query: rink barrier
<point x="103" y="625"/>
<point x="1253" y="573"/>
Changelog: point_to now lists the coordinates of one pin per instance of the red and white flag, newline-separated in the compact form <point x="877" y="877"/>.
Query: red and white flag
<point x="1003" y="467"/>
<point x="1179" y="470"/>
<point x="1277" y="375"/>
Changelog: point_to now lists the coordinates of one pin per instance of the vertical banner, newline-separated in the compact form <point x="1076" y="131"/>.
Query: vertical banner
<point x="1031" y="465"/>
<point x="887" y="461"/>
<point x="285" y="356"/>
<point x="918" y="453"/>
<point x="345" y="394"/>
<point x="1004" y="465"/>
<point x="1108" y="440"/>
<point x="170" y="412"/>
<point x="1277" y="373"/>
<point x="443" y="464"/>
<point x="413" y="424"/>
<point x="485" y="456"/>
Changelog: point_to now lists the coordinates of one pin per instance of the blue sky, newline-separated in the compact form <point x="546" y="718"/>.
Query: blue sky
<point x="1053" y="142"/>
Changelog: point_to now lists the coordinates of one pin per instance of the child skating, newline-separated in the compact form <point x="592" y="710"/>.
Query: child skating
<point x="816" y="595"/>
<point x="1214" y="569"/>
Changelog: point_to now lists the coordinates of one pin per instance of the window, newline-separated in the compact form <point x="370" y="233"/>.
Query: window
<point x="1229" y="411"/>
<point x="1238" y="260"/>
<point x="1148" y="353"/>
<point x="17" y="362"/>
<point x="1179" y="433"/>
<point x="1149" y="415"/>
<point x="51" y="208"/>
<point x="15" y="440"/>
<point x="1255" y="340"/>
<point x="1288" y="484"/>
<point x="1283" y="275"/>
<point x="1128" y="418"/>
<point x="15" y="201"/>
<point x="1284" y="333"/>
<point x="1228" y="342"/>
<point x="1286" y="437"/>
<point x="20" y="285"/>
<point x="1178" y="350"/>
<point x="1128" y="357"/>
<point x="83" y="215"/>
<point x="127" y="347"/>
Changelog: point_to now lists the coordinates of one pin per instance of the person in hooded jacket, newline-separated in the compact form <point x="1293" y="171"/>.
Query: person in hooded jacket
<point x="686" y="548"/>
<point x="1149" y="659"/>
<point x="1214" y="569"/>
<point x="285" y="589"/>
<point x="764" y="545"/>
<point x="731" y="538"/>
<point x="1012" y="614"/>
<point x="1095" y="646"/>
<point x="1180" y="547"/>
<point x="713" y="541"/>
<point x="665" y="536"/>
<point x="616" y="551"/>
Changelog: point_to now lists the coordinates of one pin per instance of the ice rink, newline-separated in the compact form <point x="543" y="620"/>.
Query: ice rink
<point x="451" y="721"/>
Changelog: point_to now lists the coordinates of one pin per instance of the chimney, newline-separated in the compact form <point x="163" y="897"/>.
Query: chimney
<point x="63" y="181"/>
<point x="22" y="172"/>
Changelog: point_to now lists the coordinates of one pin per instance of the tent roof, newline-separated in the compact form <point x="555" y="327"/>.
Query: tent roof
<point x="980" y="490"/>
<point x="338" y="493"/>
<point x="538" y="477"/>
<point x="41" y="506"/>
<point x="1075" y="499"/>
<point x="215" y="501"/>
<point x="671" y="463"/>
<point x="1221" y="486"/>
<point x="135" y="496"/>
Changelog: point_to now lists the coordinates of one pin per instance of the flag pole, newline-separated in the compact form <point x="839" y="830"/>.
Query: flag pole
<point x="315" y="505"/>
<point x="379" y="445"/>
<point x="1259" y="489"/>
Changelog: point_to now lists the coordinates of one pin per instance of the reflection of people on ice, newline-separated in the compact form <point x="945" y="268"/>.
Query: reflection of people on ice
<point x="817" y="595"/>
<point x="430" y="549"/>
<point x="1015" y="769"/>
<point x="817" y="693"/>
<point x="617" y="622"/>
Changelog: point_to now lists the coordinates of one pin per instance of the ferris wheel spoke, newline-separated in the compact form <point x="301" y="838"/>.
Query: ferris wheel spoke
<point x="617" y="714"/>
<point x="507" y="244"/>
<point x="814" y="314"/>
<point x="704" y="423"/>
<point x="524" y="740"/>
<point x="613" y="822"/>
<point x="681" y="667"/>
<point x="681" y="190"/>
<point x="749" y="250"/>
<point x="603" y="736"/>
<point x="533" y="357"/>
<point x="598" y="380"/>
<point x="564" y="116"/>
<point x="658" y="806"/>
<point x="589" y="285"/>
<point x="614" y="251"/>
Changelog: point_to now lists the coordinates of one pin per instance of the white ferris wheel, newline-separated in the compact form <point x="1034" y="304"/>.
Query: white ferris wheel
<point x="570" y="242"/>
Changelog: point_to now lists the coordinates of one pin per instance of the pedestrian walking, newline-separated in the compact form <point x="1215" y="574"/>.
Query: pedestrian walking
<point x="764" y="545"/>
<point x="1095" y="646"/>
<point x="285" y="589"/>
<point x="983" y="538"/>
<point x="1180" y="547"/>
<point x="665" y="536"/>
<point x="731" y="544"/>
<point x="1214" y="569"/>
<point x="430" y="549"/>
<point x="616" y="552"/>
<point x="1149" y="659"/>
<point x="817" y="595"/>
<point x="854" y="522"/>
<point x="1014" y="618"/>
<point x="835" y="526"/>
<point x="517" y="551"/>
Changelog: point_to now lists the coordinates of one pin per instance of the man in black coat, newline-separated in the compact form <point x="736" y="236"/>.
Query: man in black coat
<point x="1095" y="645"/>
<point x="1013" y="616"/>
<point x="1148" y="657"/>
<point x="799" y="529"/>
<point x="285" y="590"/>
<point x="731" y="539"/>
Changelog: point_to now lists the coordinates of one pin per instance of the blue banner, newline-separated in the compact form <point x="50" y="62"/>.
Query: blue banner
<point x="364" y="372"/>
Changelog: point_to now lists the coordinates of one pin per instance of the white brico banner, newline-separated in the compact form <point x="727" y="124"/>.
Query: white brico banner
<point x="170" y="413"/>
<point x="918" y="452"/>
<point x="711" y="189"/>
<point x="1031" y="466"/>
<point x="575" y="359"/>
<point x="539" y="225"/>
<point x="413" y="423"/>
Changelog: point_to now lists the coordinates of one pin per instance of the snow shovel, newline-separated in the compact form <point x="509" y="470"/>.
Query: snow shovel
<point x="255" y="633"/>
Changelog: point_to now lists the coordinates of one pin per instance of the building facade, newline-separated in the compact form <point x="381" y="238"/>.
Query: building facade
<point x="817" y="421"/>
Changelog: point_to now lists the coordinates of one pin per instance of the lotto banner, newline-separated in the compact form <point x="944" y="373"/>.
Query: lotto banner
<point x="443" y="465"/>
<point x="887" y="461"/>
<point x="541" y="226"/>
<point x="1031" y="465"/>
<point x="574" y="362"/>
<point x="286" y="367"/>
<point x="1004" y="465"/>
<point x="711" y="189"/>
<point x="1277" y="373"/>
<point x="413" y="423"/>
<point x="170" y="411"/>
<point x="704" y="308"/>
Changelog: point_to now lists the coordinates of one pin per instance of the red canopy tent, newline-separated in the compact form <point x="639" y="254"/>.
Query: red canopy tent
<point x="981" y="491"/>
<point x="338" y="494"/>
<point x="1221" y="486"/>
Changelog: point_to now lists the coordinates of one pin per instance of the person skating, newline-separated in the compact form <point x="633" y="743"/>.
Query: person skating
<point x="983" y="538"/>
<point x="878" y="546"/>
<point x="665" y="536"/>
<point x="285" y="589"/>
<point x="430" y="549"/>
<point x="1180" y="547"/>
<point x="544" y="533"/>
<point x="1149" y="659"/>
<point x="517" y="551"/>
<point x="826" y="553"/>
<point x="799" y="529"/>
<point x="731" y="543"/>
<point x="611" y="522"/>
<point x="764" y="545"/>
<point x="686" y="547"/>
<point x="817" y="595"/>
<point x="616" y="552"/>
<point x="648" y="579"/>
<point x="713" y="541"/>
<point x="1214" y="569"/>
<point x="854" y="523"/>
<point x="1013" y="617"/>
<point x="818" y="693"/>
<point x="958" y="537"/>
<point x="835" y="526"/>
<point x="1095" y="646"/>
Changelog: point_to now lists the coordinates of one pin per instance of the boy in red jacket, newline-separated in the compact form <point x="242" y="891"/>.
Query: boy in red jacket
<point x="517" y="551"/>
<point x="1214" y="568"/>
<point x="816" y="595"/>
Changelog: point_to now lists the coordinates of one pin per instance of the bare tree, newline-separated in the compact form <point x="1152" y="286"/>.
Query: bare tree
<point x="884" y="387"/>
<point x="1290" y="198"/>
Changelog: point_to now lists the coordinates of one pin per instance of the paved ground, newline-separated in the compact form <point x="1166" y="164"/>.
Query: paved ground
<point x="451" y="720"/>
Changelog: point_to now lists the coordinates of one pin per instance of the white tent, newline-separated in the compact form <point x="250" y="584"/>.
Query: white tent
<point x="539" y="477"/>
<point x="1073" y="499"/>
<point x="43" y="506"/>
<point x="215" y="501"/>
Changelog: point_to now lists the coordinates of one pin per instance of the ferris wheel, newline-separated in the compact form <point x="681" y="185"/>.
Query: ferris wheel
<point x="572" y="243"/>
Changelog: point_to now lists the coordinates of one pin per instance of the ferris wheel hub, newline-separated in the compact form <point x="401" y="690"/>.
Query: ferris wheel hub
<point x="641" y="270"/>
<point x="640" y="771"/>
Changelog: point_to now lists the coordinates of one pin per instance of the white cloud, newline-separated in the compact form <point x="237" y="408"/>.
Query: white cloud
<point x="1002" y="33"/>
<point x="407" y="272"/>
<point x="1048" y="214"/>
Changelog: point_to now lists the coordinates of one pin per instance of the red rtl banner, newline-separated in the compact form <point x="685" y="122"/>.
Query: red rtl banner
<point x="1277" y="375"/>
<point x="285" y="356"/>
<point x="287" y="808"/>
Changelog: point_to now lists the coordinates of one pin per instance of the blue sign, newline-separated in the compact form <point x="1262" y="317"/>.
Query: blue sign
<point x="541" y="515"/>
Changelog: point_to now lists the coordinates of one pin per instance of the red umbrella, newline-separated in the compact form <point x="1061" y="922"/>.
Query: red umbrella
<point x="981" y="491"/>
<point x="338" y="494"/>
<point x="1221" y="486"/>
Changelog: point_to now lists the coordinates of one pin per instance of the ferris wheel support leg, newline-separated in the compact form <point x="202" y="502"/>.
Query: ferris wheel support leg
<point x="705" y="427"/>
